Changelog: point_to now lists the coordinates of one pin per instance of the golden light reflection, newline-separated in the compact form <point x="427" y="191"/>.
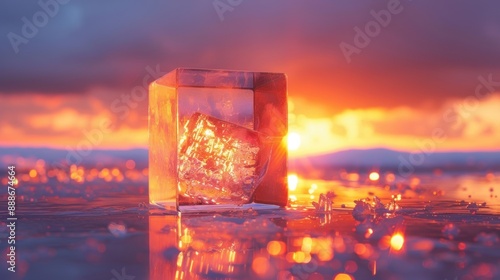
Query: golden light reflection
<point x="343" y="276"/>
<point x="307" y="244"/>
<point x="299" y="257"/>
<point x="260" y="266"/>
<point x="293" y="181"/>
<point x="397" y="241"/>
<point x="115" y="172"/>
<point x="374" y="176"/>
<point x="43" y="173"/>
<point x="369" y="233"/>
<point x="293" y="140"/>
<point x="275" y="248"/>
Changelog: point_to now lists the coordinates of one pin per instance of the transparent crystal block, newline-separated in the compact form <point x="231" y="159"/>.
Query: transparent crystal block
<point x="193" y="172"/>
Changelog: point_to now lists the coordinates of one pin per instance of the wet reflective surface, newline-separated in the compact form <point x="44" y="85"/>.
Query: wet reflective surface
<point x="446" y="226"/>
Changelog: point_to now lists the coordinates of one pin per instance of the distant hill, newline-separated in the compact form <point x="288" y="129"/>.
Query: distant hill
<point x="96" y="157"/>
<point x="349" y="159"/>
<point x="394" y="160"/>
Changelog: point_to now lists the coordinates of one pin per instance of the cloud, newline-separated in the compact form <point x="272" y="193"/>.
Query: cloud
<point x="65" y="79"/>
<point x="66" y="120"/>
<point x="404" y="128"/>
<point x="429" y="53"/>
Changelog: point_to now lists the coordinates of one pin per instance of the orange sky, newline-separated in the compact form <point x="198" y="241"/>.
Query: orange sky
<point x="85" y="72"/>
<point x="60" y="122"/>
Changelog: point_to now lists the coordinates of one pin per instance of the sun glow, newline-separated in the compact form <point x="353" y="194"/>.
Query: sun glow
<point x="293" y="181"/>
<point x="293" y="141"/>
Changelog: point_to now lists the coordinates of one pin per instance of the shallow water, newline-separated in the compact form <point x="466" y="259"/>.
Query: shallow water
<point x="102" y="229"/>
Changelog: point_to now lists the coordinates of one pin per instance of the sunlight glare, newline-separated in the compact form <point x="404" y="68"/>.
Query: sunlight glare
<point x="397" y="241"/>
<point x="293" y="181"/>
<point x="293" y="141"/>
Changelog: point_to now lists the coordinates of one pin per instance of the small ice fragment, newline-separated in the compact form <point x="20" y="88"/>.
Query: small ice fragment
<point x="365" y="228"/>
<point x="450" y="231"/>
<point x="378" y="206"/>
<point x="473" y="208"/>
<point x="117" y="229"/>
<point x="325" y="219"/>
<point x="393" y="207"/>
<point x="325" y="203"/>
<point x="361" y="211"/>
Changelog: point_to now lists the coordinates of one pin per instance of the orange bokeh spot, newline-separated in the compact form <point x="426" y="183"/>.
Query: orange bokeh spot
<point x="343" y="276"/>
<point x="275" y="248"/>
<point x="397" y="241"/>
<point x="307" y="244"/>
<point x="33" y="173"/>
<point x="390" y="177"/>
<point x="260" y="266"/>
<point x="104" y="173"/>
<point x="115" y="172"/>
<point x="360" y="249"/>
<point x="130" y="164"/>
<point x="374" y="176"/>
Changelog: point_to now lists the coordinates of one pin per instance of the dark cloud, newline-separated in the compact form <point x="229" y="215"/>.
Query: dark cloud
<point x="429" y="52"/>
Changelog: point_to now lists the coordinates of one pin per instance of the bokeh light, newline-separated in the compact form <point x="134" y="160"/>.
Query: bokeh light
<point x="374" y="176"/>
<point x="343" y="276"/>
<point x="397" y="241"/>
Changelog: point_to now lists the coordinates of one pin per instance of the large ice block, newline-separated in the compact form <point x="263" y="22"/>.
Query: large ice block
<point x="219" y="162"/>
<point x="245" y="101"/>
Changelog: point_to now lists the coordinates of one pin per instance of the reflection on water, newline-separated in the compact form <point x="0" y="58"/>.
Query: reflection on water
<point x="91" y="227"/>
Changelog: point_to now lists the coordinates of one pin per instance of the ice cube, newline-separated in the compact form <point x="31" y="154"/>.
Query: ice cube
<point x="325" y="203"/>
<point x="219" y="162"/>
<point x="256" y="101"/>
